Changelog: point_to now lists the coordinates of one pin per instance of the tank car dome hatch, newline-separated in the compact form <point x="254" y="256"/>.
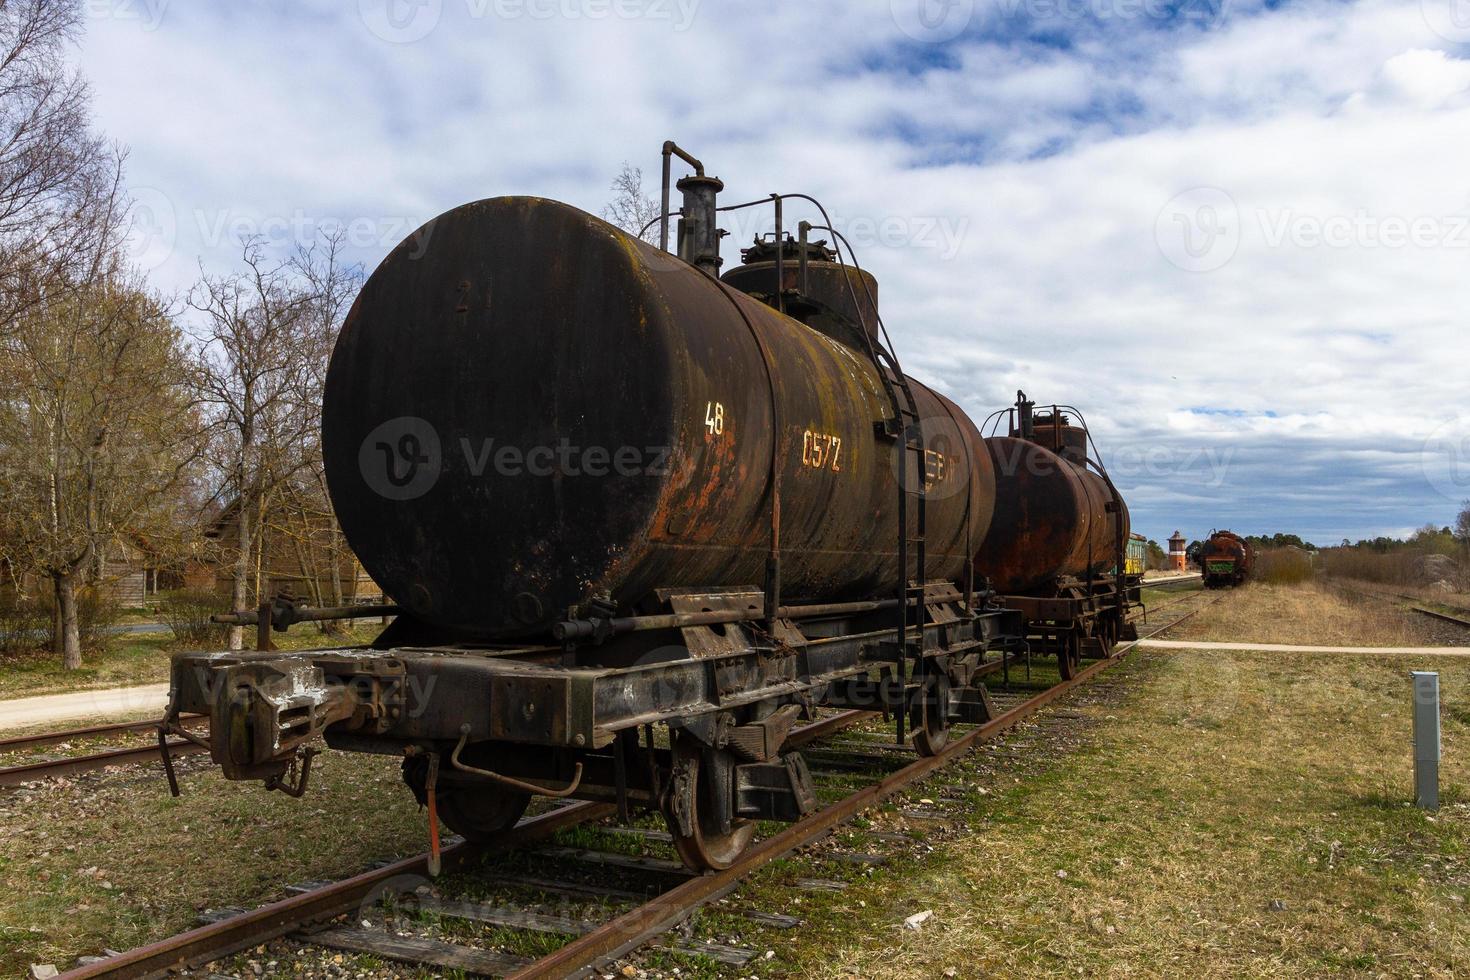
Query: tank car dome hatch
<point x="837" y="300"/>
<point x="1057" y="433"/>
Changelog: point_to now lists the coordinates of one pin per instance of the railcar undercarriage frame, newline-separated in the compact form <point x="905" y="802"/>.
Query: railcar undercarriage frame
<point x="687" y="710"/>
<point x="1082" y="618"/>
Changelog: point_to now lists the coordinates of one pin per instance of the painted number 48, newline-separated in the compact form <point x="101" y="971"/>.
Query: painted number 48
<point x="714" y="418"/>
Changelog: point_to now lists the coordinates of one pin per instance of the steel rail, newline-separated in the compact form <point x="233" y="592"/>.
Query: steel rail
<point x="218" y="939"/>
<point x="631" y="930"/>
<point x="210" y="942"/>
<point x="1444" y="616"/>
<point x="15" y="775"/>
<point x="1413" y="601"/>
<point x="21" y="742"/>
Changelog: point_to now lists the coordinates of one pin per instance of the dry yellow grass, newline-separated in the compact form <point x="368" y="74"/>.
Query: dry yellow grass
<point x="1309" y="613"/>
<point x="1238" y="815"/>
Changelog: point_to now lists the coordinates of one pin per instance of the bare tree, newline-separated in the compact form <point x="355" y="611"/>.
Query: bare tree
<point x="631" y="209"/>
<point x="59" y="199"/>
<point x="267" y="334"/>
<point x="97" y="433"/>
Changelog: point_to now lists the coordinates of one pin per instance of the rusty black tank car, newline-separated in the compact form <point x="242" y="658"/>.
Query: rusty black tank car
<point x="1057" y="551"/>
<point x="640" y="519"/>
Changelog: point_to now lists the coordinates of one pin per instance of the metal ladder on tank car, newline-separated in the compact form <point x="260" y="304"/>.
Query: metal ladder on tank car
<point x="907" y="426"/>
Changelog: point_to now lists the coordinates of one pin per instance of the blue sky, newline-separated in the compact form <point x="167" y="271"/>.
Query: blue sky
<point x="1237" y="235"/>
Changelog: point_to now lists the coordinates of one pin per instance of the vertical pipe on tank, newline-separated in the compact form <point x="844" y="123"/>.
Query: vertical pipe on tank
<point x="803" y="231"/>
<point x="671" y="150"/>
<point x="699" y="238"/>
<point x="780" y="259"/>
<point x="1024" y="427"/>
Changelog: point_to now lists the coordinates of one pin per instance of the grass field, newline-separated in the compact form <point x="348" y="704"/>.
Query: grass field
<point x="1199" y="813"/>
<point x="1219" y="815"/>
<point x="87" y="864"/>
<point x="1308" y="614"/>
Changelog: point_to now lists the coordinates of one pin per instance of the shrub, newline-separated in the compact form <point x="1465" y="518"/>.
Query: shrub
<point x="97" y="612"/>
<point x="25" y="624"/>
<point x="187" y="613"/>
<point x="1284" y="566"/>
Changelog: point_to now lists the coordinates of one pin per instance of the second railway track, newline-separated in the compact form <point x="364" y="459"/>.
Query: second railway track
<point x="28" y="771"/>
<point x="301" y="917"/>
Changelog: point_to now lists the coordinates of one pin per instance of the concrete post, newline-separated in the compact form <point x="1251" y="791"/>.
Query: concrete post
<point x="1426" y="739"/>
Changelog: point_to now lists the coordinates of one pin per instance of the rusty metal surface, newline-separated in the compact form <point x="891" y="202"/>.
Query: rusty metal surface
<point x="535" y="346"/>
<point x="833" y="298"/>
<point x="1222" y="549"/>
<point x="1051" y="519"/>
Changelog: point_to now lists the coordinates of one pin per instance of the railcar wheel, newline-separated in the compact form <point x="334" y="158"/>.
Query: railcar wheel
<point x="694" y="804"/>
<point x="480" y="813"/>
<point x="931" y="721"/>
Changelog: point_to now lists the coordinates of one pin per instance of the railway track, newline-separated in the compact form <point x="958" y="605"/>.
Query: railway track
<point x="301" y="916"/>
<point x="1413" y="605"/>
<point x="25" y="772"/>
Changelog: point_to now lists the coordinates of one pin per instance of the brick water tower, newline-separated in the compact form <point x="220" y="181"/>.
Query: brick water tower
<point x="1177" y="559"/>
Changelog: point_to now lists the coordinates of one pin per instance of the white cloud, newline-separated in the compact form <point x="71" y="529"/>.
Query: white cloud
<point x="1026" y="165"/>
